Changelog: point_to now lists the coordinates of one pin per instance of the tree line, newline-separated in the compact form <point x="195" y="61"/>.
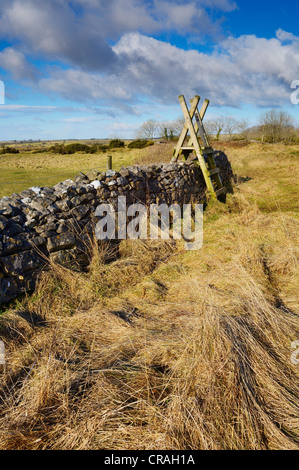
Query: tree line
<point x="272" y="126"/>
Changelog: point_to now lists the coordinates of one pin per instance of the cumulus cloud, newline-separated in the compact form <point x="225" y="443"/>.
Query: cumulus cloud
<point x="15" y="62"/>
<point x="53" y="30"/>
<point x="79" y="32"/>
<point x="240" y="70"/>
<point x="82" y="86"/>
<point x="108" y="54"/>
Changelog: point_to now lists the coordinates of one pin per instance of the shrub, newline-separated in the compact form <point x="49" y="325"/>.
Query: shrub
<point x="102" y="148"/>
<point x="73" y="148"/>
<point x="140" y="144"/>
<point x="8" y="150"/>
<point x="116" y="143"/>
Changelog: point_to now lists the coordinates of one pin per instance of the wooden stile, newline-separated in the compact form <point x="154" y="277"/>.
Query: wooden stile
<point x="203" y="151"/>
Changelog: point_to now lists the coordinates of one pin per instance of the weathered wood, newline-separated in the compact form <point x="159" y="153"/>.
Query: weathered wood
<point x="196" y="145"/>
<point x="214" y="171"/>
<point x="201" y="130"/>
<point x="184" y="132"/>
<point x="207" y="150"/>
<point x="204" y="153"/>
<point x="202" y="114"/>
<point x="109" y="162"/>
<point x="221" y="191"/>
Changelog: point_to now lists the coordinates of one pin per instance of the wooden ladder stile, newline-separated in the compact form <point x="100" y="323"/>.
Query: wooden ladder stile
<point x="204" y="152"/>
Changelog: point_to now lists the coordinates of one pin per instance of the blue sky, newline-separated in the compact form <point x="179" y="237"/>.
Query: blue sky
<point x="92" y="68"/>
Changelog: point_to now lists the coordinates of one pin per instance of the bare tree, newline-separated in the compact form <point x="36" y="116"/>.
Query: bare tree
<point x="234" y="126"/>
<point x="242" y="127"/>
<point x="178" y="125"/>
<point x="164" y="129"/>
<point x="148" y="129"/>
<point x="214" y="126"/>
<point x="230" y="125"/>
<point x="275" y="125"/>
<point x="171" y="129"/>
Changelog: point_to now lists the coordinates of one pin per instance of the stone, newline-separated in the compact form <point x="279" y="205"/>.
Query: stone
<point x="81" y="177"/>
<point x="35" y="189"/>
<point x="63" y="227"/>
<point x="70" y="192"/>
<point x="20" y="262"/>
<point x="102" y="176"/>
<point x="12" y="228"/>
<point x="92" y="175"/>
<point x="96" y="184"/>
<point x="80" y="212"/>
<point x="3" y="222"/>
<point x="64" y="205"/>
<point x="26" y="200"/>
<point x="39" y="206"/>
<point x="8" y="290"/>
<point x="28" y="193"/>
<point x="61" y="242"/>
<point x="81" y="188"/>
<point x="47" y="191"/>
<point x="51" y="226"/>
<point x="75" y="201"/>
<point x="122" y="181"/>
<point x="23" y="242"/>
<point x="7" y="209"/>
<point x="63" y="257"/>
<point x="31" y="222"/>
<point x="86" y="198"/>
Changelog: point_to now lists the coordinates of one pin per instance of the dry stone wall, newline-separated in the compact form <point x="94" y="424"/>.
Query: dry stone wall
<point x="55" y="222"/>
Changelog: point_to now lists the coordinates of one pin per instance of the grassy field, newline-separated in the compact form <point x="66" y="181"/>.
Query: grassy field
<point x="26" y="169"/>
<point x="164" y="348"/>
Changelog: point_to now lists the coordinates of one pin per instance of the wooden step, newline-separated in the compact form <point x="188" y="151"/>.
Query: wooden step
<point x="207" y="150"/>
<point x="215" y="171"/>
<point x="220" y="191"/>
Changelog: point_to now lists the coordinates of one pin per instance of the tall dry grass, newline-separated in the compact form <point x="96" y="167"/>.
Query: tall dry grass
<point x="152" y="360"/>
<point x="158" y="348"/>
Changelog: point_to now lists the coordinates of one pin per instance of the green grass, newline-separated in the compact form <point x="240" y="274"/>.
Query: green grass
<point x="274" y="174"/>
<point x="27" y="169"/>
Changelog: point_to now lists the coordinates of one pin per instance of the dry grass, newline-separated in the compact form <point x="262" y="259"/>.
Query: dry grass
<point x="157" y="153"/>
<point x="160" y="348"/>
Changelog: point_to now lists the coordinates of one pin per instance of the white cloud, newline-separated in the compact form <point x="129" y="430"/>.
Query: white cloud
<point x="81" y="86"/>
<point x="240" y="70"/>
<point x="15" y="62"/>
<point x="246" y="69"/>
<point x="285" y="36"/>
<point x="52" y="30"/>
<point x="78" y="32"/>
<point x="23" y="107"/>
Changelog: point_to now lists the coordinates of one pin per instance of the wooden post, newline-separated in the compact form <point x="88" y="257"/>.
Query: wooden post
<point x="109" y="162"/>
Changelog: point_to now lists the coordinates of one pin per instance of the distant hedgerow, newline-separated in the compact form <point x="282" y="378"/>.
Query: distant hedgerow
<point x="116" y="143"/>
<point x="77" y="147"/>
<point x="140" y="144"/>
<point x="8" y="150"/>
